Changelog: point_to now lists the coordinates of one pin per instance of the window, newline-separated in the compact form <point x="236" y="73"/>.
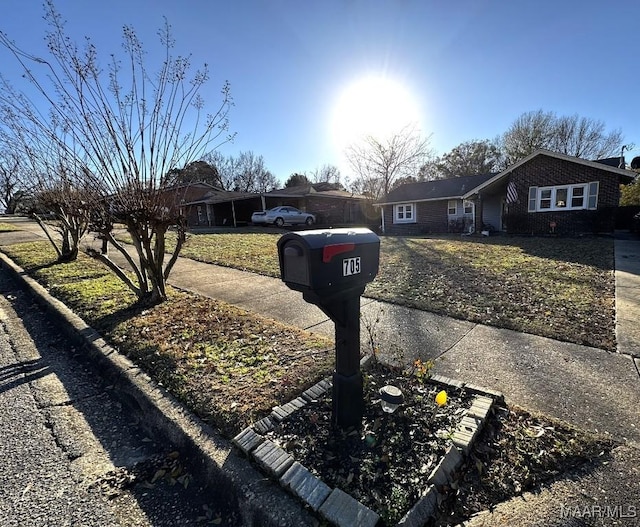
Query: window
<point x="533" y="196"/>
<point x="577" y="197"/>
<point x="561" y="198"/>
<point x="566" y="197"/>
<point x="545" y="198"/>
<point x="452" y="207"/>
<point x="404" y="213"/>
<point x="468" y="207"/>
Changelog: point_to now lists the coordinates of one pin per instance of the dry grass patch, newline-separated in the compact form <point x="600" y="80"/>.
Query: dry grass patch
<point x="254" y="252"/>
<point x="558" y="288"/>
<point x="561" y="288"/>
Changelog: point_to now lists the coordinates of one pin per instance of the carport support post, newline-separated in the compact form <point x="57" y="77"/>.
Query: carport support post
<point x="348" y="401"/>
<point x="479" y="212"/>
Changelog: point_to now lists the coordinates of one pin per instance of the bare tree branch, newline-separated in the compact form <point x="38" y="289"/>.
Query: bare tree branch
<point x="124" y="131"/>
<point x="379" y="162"/>
<point x="572" y="135"/>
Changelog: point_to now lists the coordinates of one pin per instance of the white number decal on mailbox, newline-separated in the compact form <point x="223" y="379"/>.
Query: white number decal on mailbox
<point x="351" y="266"/>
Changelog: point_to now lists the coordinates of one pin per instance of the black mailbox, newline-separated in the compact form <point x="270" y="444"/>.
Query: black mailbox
<point x="326" y="263"/>
<point x="331" y="268"/>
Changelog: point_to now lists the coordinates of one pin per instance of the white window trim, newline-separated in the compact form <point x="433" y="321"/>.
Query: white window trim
<point x="400" y="213"/>
<point x="589" y="197"/>
<point x="470" y="204"/>
<point x="455" y="207"/>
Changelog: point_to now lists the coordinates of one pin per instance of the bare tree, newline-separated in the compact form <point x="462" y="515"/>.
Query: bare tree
<point x="251" y="175"/>
<point x="225" y="167"/>
<point x="134" y="128"/>
<point x="245" y="173"/>
<point x="327" y="173"/>
<point x="572" y="135"/>
<point x="585" y="138"/>
<point x="60" y="196"/>
<point x="470" y="158"/>
<point x="528" y="133"/>
<point x="379" y="162"/>
<point x="71" y="207"/>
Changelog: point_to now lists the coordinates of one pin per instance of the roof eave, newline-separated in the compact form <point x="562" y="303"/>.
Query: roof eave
<point x="549" y="153"/>
<point x="423" y="200"/>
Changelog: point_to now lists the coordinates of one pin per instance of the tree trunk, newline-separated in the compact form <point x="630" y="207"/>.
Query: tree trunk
<point x="149" y="243"/>
<point x="70" y="255"/>
<point x="47" y="234"/>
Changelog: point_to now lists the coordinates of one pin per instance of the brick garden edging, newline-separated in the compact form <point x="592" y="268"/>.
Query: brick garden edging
<point x="338" y="507"/>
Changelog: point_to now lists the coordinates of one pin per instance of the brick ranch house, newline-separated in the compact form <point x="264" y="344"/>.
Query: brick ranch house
<point x="218" y="207"/>
<point x="546" y="192"/>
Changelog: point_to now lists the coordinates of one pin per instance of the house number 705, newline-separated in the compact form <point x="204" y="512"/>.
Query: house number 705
<point x="351" y="266"/>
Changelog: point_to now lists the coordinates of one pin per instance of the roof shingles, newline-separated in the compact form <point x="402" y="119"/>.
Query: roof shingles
<point x="435" y="190"/>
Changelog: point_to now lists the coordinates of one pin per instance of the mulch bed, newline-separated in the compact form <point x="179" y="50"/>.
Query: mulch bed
<point x="385" y="464"/>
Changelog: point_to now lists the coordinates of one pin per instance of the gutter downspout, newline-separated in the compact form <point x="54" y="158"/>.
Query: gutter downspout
<point x="382" y="215"/>
<point x="233" y="213"/>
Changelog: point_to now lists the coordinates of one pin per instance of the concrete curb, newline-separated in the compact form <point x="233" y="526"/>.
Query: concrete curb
<point x="260" y="501"/>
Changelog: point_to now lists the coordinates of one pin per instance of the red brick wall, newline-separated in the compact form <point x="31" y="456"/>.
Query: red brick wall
<point x="543" y="171"/>
<point x="431" y="217"/>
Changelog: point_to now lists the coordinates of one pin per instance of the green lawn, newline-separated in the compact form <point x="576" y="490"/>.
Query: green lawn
<point x="8" y="227"/>
<point x="249" y="252"/>
<point x="555" y="287"/>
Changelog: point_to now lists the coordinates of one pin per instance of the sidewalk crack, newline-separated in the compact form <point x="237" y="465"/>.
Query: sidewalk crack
<point x="456" y="342"/>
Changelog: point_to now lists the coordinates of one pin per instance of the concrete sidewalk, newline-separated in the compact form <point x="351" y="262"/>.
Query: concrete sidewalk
<point x="590" y="388"/>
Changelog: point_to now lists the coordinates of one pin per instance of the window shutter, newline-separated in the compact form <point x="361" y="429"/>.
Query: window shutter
<point x="593" y="195"/>
<point x="533" y="198"/>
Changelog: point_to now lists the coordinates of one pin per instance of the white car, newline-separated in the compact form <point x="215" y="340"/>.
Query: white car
<point x="278" y="216"/>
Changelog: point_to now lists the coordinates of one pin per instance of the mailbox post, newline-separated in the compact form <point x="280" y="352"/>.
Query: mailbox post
<point x="331" y="268"/>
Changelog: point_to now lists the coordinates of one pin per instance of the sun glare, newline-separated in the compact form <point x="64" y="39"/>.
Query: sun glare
<point x="372" y="106"/>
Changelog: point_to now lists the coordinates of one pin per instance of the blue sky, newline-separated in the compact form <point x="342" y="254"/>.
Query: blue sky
<point x="470" y="67"/>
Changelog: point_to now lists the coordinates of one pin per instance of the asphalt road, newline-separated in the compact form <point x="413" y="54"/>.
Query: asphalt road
<point x="71" y="453"/>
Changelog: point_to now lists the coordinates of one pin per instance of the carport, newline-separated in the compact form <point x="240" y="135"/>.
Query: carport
<point x="223" y="208"/>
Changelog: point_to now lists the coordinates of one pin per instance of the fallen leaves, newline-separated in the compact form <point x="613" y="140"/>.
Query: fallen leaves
<point x="517" y="452"/>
